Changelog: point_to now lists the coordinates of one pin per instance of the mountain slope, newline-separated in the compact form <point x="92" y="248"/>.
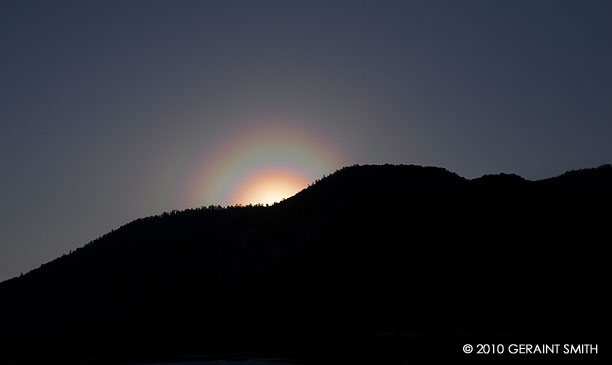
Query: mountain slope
<point x="395" y="257"/>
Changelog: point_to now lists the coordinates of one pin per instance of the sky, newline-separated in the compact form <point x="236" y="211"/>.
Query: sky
<point x="115" y="110"/>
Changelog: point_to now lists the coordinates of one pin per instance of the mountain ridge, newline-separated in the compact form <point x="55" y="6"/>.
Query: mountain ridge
<point x="572" y="174"/>
<point x="217" y="207"/>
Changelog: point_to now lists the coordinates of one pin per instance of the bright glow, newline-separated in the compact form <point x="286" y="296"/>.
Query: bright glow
<point x="269" y="187"/>
<point x="272" y="160"/>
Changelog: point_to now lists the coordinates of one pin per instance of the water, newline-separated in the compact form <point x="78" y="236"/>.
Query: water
<point x="262" y="361"/>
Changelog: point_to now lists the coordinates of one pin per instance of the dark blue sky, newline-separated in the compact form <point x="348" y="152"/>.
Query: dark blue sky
<point x="107" y="107"/>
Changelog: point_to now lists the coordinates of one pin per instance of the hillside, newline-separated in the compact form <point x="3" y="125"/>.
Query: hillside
<point x="400" y="260"/>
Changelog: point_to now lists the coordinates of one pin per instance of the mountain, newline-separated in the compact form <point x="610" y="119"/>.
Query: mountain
<point x="377" y="264"/>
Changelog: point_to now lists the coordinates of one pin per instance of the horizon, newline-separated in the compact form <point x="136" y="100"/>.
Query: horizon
<point x="270" y="205"/>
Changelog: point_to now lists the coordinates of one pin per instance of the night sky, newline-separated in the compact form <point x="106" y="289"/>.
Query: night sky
<point x="111" y="111"/>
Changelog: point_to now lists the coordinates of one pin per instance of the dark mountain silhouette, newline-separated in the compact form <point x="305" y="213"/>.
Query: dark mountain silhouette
<point x="378" y="264"/>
